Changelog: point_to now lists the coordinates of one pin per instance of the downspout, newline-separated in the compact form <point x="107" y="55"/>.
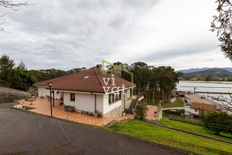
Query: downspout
<point x="53" y="98"/>
<point x="95" y="99"/>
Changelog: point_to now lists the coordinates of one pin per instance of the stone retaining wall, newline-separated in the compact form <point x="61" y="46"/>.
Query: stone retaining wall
<point x="118" y="111"/>
<point x="9" y="95"/>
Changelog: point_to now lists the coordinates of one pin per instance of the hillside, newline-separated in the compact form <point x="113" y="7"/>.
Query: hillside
<point x="212" y="72"/>
<point x="191" y="70"/>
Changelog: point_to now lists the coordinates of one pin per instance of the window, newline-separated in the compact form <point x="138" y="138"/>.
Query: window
<point x="114" y="97"/>
<point x="72" y="97"/>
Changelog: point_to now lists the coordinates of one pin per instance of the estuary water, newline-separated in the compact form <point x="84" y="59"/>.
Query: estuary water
<point x="205" y="87"/>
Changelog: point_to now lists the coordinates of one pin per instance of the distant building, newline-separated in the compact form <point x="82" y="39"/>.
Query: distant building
<point x="197" y="108"/>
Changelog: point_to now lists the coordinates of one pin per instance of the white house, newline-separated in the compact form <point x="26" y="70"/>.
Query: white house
<point x="91" y="91"/>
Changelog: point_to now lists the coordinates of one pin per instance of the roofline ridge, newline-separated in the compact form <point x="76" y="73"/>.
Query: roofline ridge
<point x="98" y="77"/>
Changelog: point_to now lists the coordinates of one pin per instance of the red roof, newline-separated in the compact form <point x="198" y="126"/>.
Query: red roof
<point x="203" y="106"/>
<point x="90" y="80"/>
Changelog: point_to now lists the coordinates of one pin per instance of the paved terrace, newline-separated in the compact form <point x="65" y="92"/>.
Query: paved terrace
<point x="42" y="106"/>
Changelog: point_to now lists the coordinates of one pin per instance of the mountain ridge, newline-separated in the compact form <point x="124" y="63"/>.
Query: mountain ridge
<point x="212" y="72"/>
<point x="192" y="70"/>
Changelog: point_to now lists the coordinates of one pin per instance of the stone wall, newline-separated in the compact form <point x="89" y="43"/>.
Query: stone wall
<point x="9" y="95"/>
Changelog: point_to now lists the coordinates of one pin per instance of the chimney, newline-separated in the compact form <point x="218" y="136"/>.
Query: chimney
<point x="98" y="68"/>
<point x="118" y="66"/>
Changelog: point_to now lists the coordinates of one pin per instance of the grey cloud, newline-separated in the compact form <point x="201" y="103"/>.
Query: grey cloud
<point x="174" y="52"/>
<point x="75" y="33"/>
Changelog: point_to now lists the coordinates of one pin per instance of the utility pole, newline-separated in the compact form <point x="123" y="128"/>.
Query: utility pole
<point x="50" y="88"/>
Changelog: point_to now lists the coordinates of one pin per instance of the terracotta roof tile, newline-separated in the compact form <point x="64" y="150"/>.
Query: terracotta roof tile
<point x="88" y="80"/>
<point x="203" y="106"/>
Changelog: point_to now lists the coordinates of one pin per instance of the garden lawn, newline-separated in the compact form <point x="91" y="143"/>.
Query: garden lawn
<point x="172" y="138"/>
<point x="177" y="103"/>
<point x="195" y="129"/>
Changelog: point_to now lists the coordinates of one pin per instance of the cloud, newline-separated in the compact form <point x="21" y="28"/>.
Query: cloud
<point x="76" y="33"/>
<point x="180" y="51"/>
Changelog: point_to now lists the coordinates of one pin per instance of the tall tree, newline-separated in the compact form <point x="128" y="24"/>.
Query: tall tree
<point x="22" y="79"/>
<point x="6" y="69"/>
<point x="159" y="82"/>
<point x="164" y="81"/>
<point x="222" y="24"/>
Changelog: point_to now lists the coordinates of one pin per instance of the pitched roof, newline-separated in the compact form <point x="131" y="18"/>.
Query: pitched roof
<point x="90" y="80"/>
<point x="203" y="106"/>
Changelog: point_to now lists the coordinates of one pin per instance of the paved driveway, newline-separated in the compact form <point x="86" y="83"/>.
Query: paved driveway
<point x="27" y="133"/>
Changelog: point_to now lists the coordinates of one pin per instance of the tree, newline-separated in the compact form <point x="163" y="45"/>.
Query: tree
<point x="222" y="24"/>
<point x="164" y="81"/>
<point x="141" y="110"/>
<point x="6" y="68"/>
<point x="218" y="122"/>
<point x="156" y="82"/>
<point x="142" y="74"/>
<point x="15" y="77"/>
<point x="22" y="79"/>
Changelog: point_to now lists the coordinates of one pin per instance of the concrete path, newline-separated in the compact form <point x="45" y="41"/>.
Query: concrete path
<point x="28" y="133"/>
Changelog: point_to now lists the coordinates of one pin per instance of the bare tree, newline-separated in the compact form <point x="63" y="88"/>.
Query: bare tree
<point x="11" y="5"/>
<point x="222" y="24"/>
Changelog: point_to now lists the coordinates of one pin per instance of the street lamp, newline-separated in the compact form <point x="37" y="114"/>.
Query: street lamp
<point x="50" y="88"/>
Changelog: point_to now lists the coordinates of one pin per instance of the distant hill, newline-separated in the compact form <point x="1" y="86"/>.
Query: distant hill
<point x="193" y="70"/>
<point x="212" y="72"/>
<point x="228" y="69"/>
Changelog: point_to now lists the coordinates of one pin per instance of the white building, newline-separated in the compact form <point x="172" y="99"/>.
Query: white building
<point x="91" y="91"/>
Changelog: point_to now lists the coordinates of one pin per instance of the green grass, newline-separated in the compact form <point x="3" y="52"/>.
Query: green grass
<point x="195" y="129"/>
<point x="172" y="138"/>
<point x="177" y="103"/>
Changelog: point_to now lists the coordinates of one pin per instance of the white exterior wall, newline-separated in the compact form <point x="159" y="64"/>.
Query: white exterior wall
<point x="84" y="102"/>
<point x="190" y="111"/>
<point x="108" y="107"/>
<point x="43" y="92"/>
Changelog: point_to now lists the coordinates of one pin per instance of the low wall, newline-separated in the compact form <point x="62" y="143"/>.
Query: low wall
<point x="184" y="119"/>
<point x="9" y="95"/>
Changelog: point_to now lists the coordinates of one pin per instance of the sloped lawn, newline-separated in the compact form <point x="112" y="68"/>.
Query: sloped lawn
<point x="195" y="129"/>
<point x="172" y="138"/>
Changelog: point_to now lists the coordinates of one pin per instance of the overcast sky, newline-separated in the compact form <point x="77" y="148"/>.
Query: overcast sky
<point x="75" y="33"/>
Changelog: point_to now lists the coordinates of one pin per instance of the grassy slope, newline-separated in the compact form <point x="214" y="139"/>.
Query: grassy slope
<point x="195" y="129"/>
<point x="172" y="138"/>
<point x="177" y="103"/>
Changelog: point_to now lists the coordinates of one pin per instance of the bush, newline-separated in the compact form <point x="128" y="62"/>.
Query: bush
<point x="141" y="110"/>
<point x="176" y="112"/>
<point x="218" y="122"/>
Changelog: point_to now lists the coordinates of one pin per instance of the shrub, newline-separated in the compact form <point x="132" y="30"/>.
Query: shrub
<point x="176" y="112"/>
<point x="140" y="111"/>
<point x="218" y="122"/>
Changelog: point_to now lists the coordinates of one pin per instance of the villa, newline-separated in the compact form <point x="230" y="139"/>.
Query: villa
<point x="91" y="91"/>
